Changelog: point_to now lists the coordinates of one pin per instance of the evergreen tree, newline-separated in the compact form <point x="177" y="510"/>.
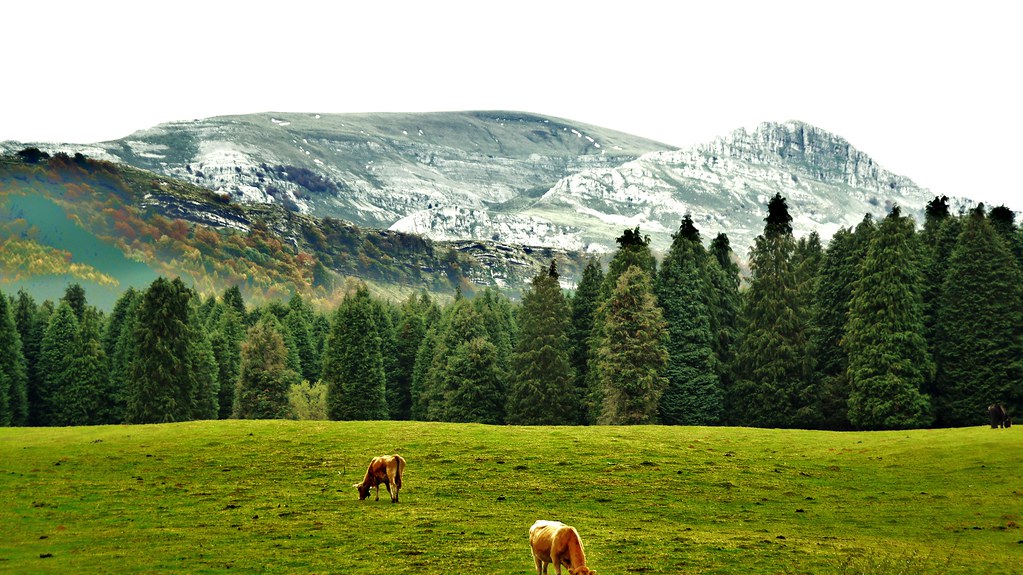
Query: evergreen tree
<point x="693" y="395"/>
<point x="413" y="323"/>
<point x="384" y="318"/>
<point x="633" y="250"/>
<point x="888" y="359"/>
<point x="937" y="240"/>
<point x="773" y="364"/>
<point x="1004" y="221"/>
<point x="980" y="309"/>
<point x="56" y="365"/>
<point x="353" y="366"/>
<point x="299" y="321"/>
<point x="122" y="360"/>
<point x="74" y="295"/>
<point x="631" y="355"/>
<point x="543" y="388"/>
<point x="232" y="299"/>
<point x="203" y="369"/>
<point x="839" y="269"/>
<point x="159" y="390"/>
<point x="30" y="330"/>
<point x="13" y="370"/>
<point x="723" y="306"/>
<point x="584" y="311"/>
<point x="118" y="317"/>
<point x="226" y="343"/>
<point x="86" y="397"/>
<point x="423" y="395"/>
<point x="261" y="391"/>
<point x="473" y="377"/>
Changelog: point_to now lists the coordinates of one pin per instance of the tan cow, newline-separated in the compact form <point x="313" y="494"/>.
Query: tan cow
<point x="386" y="469"/>
<point x="557" y="543"/>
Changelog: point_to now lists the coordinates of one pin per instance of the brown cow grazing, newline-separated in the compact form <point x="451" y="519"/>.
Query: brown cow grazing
<point x="999" y="417"/>
<point x="386" y="469"/>
<point x="557" y="543"/>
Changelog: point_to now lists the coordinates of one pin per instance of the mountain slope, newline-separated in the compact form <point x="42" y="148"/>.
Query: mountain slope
<point x="520" y="179"/>
<point x="109" y="226"/>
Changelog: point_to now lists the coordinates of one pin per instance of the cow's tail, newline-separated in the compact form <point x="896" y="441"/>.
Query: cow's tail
<point x="401" y="472"/>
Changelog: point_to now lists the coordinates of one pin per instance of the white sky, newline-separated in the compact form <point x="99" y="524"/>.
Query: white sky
<point x="929" y="90"/>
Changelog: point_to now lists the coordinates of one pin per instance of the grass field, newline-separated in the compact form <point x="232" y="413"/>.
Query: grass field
<point x="276" y="497"/>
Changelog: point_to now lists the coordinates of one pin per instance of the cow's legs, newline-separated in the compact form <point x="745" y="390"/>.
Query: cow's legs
<point x="541" y="567"/>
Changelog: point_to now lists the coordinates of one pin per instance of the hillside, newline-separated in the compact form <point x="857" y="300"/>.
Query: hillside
<point x="108" y="226"/>
<point x="276" y="497"/>
<point x="518" y="178"/>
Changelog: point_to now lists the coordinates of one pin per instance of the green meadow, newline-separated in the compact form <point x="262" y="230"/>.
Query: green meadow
<point x="276" y="497"/>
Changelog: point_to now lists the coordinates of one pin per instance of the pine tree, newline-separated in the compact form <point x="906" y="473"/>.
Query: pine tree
<point x="30" y="330"/>
<point x="299" y="321"/>
<point x="33" y="345"/>
<point x="937" y="240"/>
<point x="203" y="369"/>
<point x="86" y="397"/>
<point x="159" y="390"/>
<point x="473" y="378"/>
<point x="74" y="295"/>
<point x="584" y="311"/>
<point x="543" y="388"/>
<point x="980" y="309"/>
<point x="888" y="359"/>
<point x="684" y="287"/>
<point x="423" y="394"/>
<point x="631" y="355"/>
<point x="13" y="370"/>
<point x="122" y="361"/>
<point x="56" y="357"/>
<point x="264" y="379"/>
<point x="839" y="269"/>
<point x="226" y="343"/>
<point x="773" y="364"/>
<point x="353" y="366"/>
<point x="232" y="299"/>
<point x="413" y="323"/>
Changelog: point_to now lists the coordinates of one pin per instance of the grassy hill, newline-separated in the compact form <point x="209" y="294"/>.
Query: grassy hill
<point x="275" y="497"/>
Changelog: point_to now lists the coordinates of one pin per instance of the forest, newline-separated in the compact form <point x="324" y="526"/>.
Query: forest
<point x="888" y="327"/>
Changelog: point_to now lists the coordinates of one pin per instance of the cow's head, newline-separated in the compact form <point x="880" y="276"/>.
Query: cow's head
<point x="1008" y="421"/>
<point x="582" y="570"/>
<point x="363" y="490"/>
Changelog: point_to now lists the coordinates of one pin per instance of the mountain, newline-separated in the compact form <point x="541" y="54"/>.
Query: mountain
<point x="517" y="178"/>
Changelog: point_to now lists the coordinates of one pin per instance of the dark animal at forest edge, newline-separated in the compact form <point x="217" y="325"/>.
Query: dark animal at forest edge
<point x="999" y="417"/>
<point x="557" y="543"/>
<point x="386" y="469"/>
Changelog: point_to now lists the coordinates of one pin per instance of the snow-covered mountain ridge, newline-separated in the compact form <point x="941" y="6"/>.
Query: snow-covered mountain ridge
<point x="518" y="178"/>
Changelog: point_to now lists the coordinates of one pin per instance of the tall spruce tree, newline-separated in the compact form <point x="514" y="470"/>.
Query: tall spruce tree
<point x="937" y="239"/>
<point x="693" y="395"/>
<point x="160" y="389"/>
<point x="56" y="365"/>
<point x="353" y="368"/>
<point x="122" y="359"/>
<point x="543" y="388"/>
<point x="414" y="321"/>
<point x="838" y="271"/>
<point x="13" y="370"/>
<point x="631" y="356"/>
<point x="30" y="330"/>
<point x="226" y="343"/>
<point x="633" y="251"/>
<point x="203" y="369"/>
<point x="88" y="398"/>
<point x="299" y="321"/>
<point x="774" y="367"/>
<point x="584" y="311"/>
<point x="888" y="359"/>
<point x="264" y="377"/>
<point x="980" y="309"/>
